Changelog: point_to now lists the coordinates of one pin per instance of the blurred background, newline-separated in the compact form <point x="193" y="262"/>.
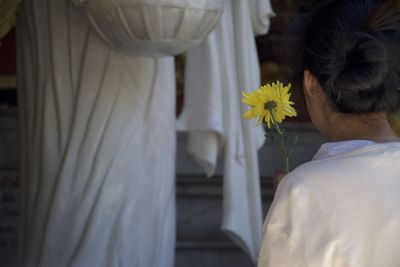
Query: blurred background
<point x="199" y="199"/>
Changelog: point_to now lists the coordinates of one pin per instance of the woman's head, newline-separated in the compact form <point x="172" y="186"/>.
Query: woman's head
<point x="352" y="53"/>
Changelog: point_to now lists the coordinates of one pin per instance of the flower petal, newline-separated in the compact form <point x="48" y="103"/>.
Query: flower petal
<point x="275" y="92"/>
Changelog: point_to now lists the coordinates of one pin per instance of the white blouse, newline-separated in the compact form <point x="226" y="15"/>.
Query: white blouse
<point x="340" y="210"/>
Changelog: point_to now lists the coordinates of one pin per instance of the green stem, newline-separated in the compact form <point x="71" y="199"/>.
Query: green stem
<point x="286" y="166"/>
<point x="285" y="153"/>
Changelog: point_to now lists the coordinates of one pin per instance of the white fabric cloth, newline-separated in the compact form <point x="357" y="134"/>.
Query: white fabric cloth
<point x="217" y="71"/>
<point x="98" y="147"/>
<point x="328" y="150"/>
<point x="261" y="15"/>
<point x="340" y="210"/>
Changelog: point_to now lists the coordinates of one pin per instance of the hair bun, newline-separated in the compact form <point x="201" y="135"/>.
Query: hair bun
<point x="353" y="49"/>
<point x="362" y="65"/>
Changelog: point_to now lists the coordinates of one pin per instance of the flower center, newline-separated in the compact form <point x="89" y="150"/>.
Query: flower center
<point x="270" y="105"/>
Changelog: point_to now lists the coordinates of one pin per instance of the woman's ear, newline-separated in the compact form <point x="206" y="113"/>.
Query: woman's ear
<point x="311" y="86"/>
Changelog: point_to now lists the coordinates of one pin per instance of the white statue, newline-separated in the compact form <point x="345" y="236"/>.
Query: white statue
<point x="98" y="142"/>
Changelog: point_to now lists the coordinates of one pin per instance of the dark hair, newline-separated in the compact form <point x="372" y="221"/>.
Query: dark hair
<point x="352" y="47"/>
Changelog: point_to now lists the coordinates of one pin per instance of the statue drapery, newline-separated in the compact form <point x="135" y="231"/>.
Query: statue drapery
<point x="98" y="146"/>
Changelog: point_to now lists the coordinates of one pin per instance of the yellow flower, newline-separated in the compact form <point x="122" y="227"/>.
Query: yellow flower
<point x="270" y="103"/>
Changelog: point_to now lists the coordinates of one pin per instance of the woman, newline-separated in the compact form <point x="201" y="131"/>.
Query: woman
<point x="343" y="208"/>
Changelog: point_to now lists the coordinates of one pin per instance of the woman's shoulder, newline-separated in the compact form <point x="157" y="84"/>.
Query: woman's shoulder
<point x="353" y="164"/>
<point x="307" y="174"/>
<point x="350" y="170"/>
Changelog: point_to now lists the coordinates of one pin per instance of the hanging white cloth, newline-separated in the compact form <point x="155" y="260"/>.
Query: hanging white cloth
<point x="98" y="146"/>
<point x="217" y="71"/>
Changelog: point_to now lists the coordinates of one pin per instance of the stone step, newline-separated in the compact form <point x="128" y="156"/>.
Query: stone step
<point x="199" y="207"/>
<point x="210" y="254"/>
<point x="194" y="185"/>
<point x="200" y="242"/>
<point x="212" y="259"/>
<point x="205" y="245"/>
